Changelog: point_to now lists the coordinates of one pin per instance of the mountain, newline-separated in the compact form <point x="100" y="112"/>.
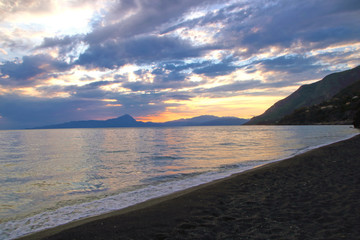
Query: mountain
<point x="308" y="95"/>
<point x="225" y="121"/>
<point x="206" y="120"/>
<point x="128" y="121"/>
<point x="190" y="121"/>
<point x="123" y="121"/>
<point x="341" y="109"/>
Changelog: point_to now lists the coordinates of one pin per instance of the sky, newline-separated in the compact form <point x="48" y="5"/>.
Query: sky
<point x="161" y="60"/>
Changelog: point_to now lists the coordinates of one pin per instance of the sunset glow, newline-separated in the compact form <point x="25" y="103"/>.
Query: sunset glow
<point x="161" y="61"/>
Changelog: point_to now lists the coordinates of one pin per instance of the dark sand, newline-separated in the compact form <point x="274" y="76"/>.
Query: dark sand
<point x="315" y="195"/>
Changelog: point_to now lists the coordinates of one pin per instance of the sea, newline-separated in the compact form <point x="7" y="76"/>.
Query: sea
<point x="56" y="176"/>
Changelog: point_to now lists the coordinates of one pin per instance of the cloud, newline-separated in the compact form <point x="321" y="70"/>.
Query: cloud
<point x="236" y="86"/>
<point x="140" y="50"/>
<point x="89" y="91"/>
<point x="225" y="67"/>
<point x="59" y="41"/>
<point x="284" y="23"/>
<point x="163" y="79"/>
<point x="8" y="7"/>
<point x="290" y="64"/>
<point x="87" y="102"/>
<point x="139" y="105"/>
<point x="29" y="70"/>
<point x="166" y="75"/>
<point x="148" y="87"/>
<point x="173" y="46"/>
<point x="237" y="12"/>
<point x="180" y="97"/>
<point x="14" y="42"/>
<point x="127" y="19"/>
<point x="26" y="112"/>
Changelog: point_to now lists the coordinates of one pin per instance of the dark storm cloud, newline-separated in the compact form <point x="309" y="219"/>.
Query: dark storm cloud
<point x="253" y="25"/>
<point x="172" y="75"/>
<point x="290" y="63"/>
<point x="25" y="71"/>
<point x="130" y="40"/>
<point x="148" y="16"/>
<point x="65" y="43"/>
<point x="152" y="103"/>
<point x="180" y="97"/>
<point x="165" y="75"/>
<point x="226" y="15"/>
<point x="180" y="66"/>
<point x="259" y="88"/>
<point x="91" y="90"/>
<point x="337" y="57"/>
<point x="236" y="86"/>
<point x="56" y="42"/>
<point x="232" y="89"/>
<point x="283" y="23"/>
<point x="157" y="85"/>
<point x="225" y="67"/>
<point x="114" y="54"/>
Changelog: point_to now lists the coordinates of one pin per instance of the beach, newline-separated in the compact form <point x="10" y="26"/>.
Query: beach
<point x="314" y="195"/>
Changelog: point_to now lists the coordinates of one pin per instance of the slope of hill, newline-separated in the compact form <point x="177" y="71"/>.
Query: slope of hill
<point x="308" y="95"/>
<point x="222" y="121"/>
<point x="190" y="121"/>
<point x="123" y="121"/>
<point x="206" y="120"/>
<point x="341" y="109"/>
<point x="128" y="121"/>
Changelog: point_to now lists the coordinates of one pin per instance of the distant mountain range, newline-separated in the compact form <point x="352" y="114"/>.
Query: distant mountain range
<point x="128" y="121"/>
<point x="332" y="100"/>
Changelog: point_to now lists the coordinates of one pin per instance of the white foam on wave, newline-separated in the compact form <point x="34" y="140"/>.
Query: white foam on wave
<point x="17" y="228"/>
<point x="50" y="219"/>
<point x="307" y="149"/>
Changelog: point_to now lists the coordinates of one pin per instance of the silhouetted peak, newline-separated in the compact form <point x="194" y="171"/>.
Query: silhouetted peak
<point x="127" y="116"/>
<point x="123" y="119"/>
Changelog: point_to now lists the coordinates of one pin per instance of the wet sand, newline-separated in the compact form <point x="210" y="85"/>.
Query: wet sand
<point x="315" y="195"/>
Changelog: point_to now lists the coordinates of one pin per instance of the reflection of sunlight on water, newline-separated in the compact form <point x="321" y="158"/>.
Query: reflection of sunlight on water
<point x="52" y="168"/>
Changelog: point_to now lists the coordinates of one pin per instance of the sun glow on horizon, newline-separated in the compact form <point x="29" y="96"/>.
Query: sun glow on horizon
<point x="237" y="106"/>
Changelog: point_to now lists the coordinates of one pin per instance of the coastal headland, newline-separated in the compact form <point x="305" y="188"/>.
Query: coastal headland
<point x="314" y="195"/>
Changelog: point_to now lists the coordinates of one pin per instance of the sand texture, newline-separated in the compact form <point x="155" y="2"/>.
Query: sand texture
<point x="315" y="195"/>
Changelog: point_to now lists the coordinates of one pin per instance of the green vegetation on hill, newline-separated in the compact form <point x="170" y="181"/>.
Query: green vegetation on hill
<point x="308" y="95"/>
<point x="341" y="109"/>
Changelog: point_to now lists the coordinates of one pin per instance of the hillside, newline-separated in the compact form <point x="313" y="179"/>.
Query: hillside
<point x="128" y="121"/>
<point x="123" y="121"/>
<point x="206" y="120"/>
<point x="341" y="109"/>
<point x="308" y="95"/>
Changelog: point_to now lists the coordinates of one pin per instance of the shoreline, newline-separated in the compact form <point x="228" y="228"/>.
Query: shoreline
<point x="195" y="212"/>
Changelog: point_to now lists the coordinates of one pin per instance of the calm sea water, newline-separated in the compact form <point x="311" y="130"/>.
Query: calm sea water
<point x="51" y="177"/>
